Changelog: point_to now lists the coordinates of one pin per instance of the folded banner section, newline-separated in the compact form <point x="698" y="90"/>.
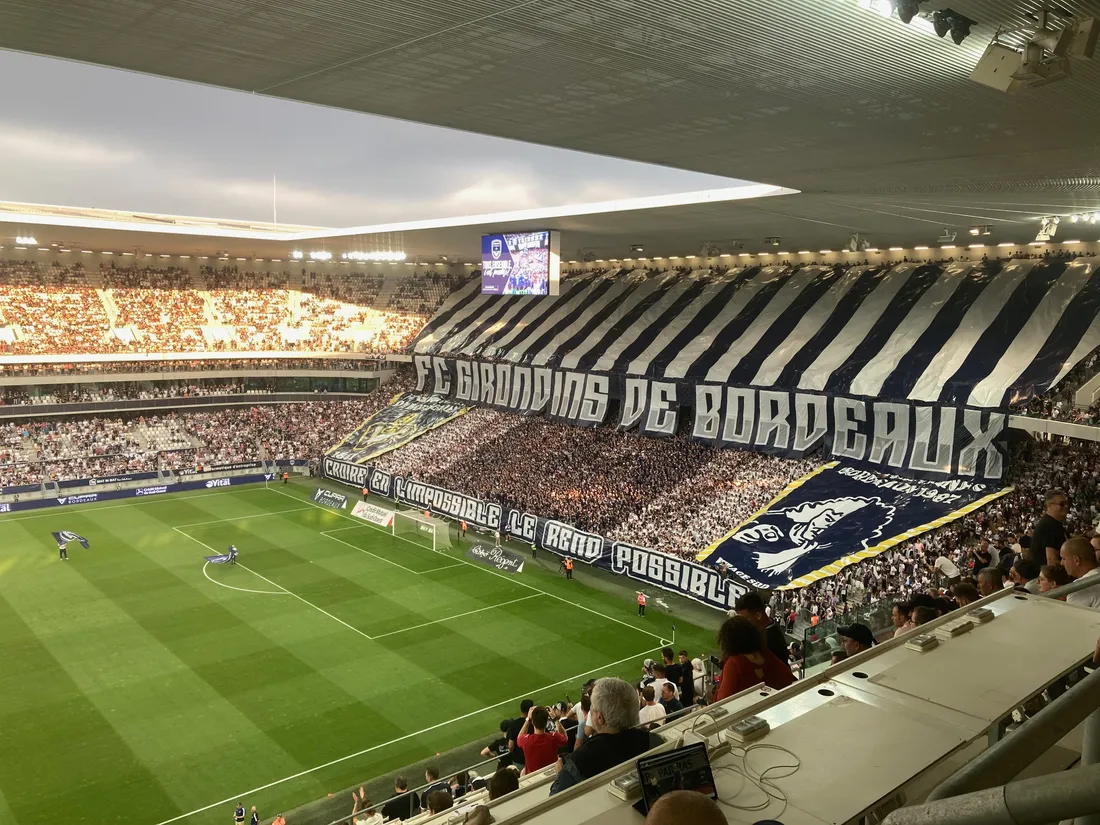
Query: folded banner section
<point x="919" y="439"/>
<point x="398" y="423"/>
<point x="650" y="567"/>
<point x="836" y="516"/>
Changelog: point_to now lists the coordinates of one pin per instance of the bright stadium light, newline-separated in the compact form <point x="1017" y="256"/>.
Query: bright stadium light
<point x="320" y="255"/>
<point x="26" y="240"/>
<point x="297" y="254"/>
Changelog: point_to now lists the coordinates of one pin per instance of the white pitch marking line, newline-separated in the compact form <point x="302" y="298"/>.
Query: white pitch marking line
<point x="276" y="584"/>
<point x="283" y="591"/>
<point x="300" y="774"/>
<point x="241" y="518"/>
<point x="369" y="553"/>
<point x="484" y="569"/>
<point x="456" y="616"/>
<point x="241" y="589"/>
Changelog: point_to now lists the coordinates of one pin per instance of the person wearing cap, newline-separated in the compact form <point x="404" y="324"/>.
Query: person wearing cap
<point x="855" y="638"/>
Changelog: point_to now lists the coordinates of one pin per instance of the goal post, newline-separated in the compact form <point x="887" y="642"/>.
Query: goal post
<point x="432" y="533"/>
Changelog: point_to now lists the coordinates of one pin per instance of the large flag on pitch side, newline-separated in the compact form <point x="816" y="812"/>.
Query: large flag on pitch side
<point x="67" y="537"/>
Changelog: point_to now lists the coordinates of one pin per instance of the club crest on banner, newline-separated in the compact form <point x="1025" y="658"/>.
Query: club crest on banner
<point x="779" y="538"/>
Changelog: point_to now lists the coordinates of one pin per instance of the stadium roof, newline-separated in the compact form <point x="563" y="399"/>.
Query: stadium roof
<point x="877" y="123"/>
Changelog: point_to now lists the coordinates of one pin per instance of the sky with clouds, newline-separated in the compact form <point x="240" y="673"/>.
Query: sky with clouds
<point x="87" y="136"/>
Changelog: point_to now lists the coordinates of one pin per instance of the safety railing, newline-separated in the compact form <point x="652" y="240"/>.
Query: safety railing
<point x="977" y="794"/>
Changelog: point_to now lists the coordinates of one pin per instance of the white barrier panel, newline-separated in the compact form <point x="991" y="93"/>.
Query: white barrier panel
<point x="372" y="513"/>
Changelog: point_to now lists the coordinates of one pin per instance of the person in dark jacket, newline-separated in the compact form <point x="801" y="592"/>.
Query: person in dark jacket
<point x="618" y="739"/>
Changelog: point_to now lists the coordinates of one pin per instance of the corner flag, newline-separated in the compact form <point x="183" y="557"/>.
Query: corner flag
<point x="66" y="537"/>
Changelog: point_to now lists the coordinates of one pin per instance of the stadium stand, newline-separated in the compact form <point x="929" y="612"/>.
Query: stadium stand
<point x="52" y="309"/>
<point x="94" y="367"/>
<point x="88" y="447"/>
<point x="161" y="307"/>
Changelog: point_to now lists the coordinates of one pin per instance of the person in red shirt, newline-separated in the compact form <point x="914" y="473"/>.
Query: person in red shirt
<point x="746" y="660"/>
<point x="540" y="748"/>
<point x="641" y="604"/>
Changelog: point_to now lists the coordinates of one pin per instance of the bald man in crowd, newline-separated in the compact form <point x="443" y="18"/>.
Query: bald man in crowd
<point x="1079" y="559"/>
<point x="685" y="808"/>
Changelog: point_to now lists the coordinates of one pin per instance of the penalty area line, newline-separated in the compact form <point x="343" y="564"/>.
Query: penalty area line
<point x="483" y="569"/>
<point x="364" y="751"/>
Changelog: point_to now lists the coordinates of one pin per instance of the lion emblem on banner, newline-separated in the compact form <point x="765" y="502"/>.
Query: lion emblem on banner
<point x="834" y="527"/>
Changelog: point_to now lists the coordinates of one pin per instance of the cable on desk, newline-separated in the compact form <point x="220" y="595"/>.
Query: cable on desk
<point x="761" y="780"/>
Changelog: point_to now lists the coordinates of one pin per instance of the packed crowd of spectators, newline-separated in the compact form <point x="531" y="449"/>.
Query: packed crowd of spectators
<point x="119" y="391"/>
<point x="253" y="304"/>
<point x="86" y="447"/>
<point x="676" y="495"/>
<point x="423" y="292"/>
<point x="54" y="308"/>
<point x="1058" y="402"/>
<point x="198" y="365"/>
<point x="163" y="305"/>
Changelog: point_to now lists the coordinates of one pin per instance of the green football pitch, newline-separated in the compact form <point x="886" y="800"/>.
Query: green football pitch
<point x="140" y="686"/>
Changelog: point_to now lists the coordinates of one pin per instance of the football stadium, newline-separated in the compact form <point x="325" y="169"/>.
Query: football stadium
<point x="546" y="413"/>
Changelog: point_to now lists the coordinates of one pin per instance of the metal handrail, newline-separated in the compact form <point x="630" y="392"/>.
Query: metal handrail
<point x="1072" y="587"/>
<point x="1036" y="801"/>
<point x="1034" y="737"/>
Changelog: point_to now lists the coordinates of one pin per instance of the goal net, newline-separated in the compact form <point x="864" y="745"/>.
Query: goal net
<point x="432" y="533"/>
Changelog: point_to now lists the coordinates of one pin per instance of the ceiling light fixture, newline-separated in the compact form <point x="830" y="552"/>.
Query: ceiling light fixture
<point x="1048" y="228"/>
<point x="906" y="9"/>
<point x="949" y="20"/>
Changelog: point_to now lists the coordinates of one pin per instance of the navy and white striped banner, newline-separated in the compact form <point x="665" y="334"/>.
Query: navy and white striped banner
<point x="982" y="334"/>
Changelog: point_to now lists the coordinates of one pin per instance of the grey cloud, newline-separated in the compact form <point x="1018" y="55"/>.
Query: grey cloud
<point x="82" y="135"/>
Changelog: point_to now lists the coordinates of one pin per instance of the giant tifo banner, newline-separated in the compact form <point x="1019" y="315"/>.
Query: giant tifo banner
<point x="402" y="420"/>
<point x="922" y="440"/>
<point x="836" y="516"/>
<point x="649" y="567"/>
<point x="905" y="368"/>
